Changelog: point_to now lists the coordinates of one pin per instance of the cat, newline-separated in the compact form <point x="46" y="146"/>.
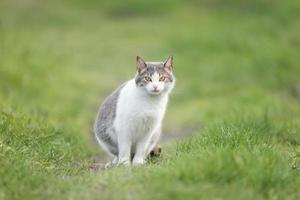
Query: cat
<point x="128" y="123"/>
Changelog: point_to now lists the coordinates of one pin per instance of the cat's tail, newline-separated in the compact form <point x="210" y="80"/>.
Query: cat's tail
<point x="156" y="151"/>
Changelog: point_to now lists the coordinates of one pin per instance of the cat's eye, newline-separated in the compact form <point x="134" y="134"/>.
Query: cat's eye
<point x="147" y="78"/>
<point x="162" y="78"/>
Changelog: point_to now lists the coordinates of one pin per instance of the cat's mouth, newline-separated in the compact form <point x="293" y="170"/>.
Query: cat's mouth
<point x="155" y="92"/>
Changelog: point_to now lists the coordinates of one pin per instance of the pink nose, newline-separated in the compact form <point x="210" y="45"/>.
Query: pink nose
<point x="155" y="87"/>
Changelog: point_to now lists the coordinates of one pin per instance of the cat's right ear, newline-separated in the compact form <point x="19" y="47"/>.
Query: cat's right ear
<point x="140" y="64"/>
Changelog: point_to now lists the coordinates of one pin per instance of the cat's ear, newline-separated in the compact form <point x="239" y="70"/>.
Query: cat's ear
<point x="169" y="63"/>
<point x="140" y="64"/>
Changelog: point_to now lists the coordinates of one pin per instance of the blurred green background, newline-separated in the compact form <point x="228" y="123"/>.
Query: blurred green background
<point x="238" y="86"/>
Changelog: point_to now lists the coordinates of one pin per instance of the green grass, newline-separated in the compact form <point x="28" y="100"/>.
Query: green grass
<point x="237" y="69"/>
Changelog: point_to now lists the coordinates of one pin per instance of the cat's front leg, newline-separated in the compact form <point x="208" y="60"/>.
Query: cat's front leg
<point x="124" y="146"/>
<point x="140" y="151"/>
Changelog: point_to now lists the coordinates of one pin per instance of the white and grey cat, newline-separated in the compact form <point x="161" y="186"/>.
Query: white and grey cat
<point x="128" y="124"/>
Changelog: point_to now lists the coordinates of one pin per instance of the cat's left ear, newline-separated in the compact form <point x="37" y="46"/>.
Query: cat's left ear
<point x="169" y="63"/>
<point x="140" y="63"/>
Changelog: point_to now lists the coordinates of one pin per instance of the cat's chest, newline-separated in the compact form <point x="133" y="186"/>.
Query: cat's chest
<point x="138" y="117"/>
<point x="142" y="121"/>
<point x="141" y="112"/>
<point x="132" y="105"/>
<point x="143" y="109"/>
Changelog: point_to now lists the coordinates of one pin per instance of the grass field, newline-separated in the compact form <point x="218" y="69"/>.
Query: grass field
<point x="237" y="65"/>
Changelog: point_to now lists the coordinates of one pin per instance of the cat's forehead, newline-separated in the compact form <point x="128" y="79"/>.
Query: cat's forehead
<point x="155" y="64"/>
<point x="153" y="67"/>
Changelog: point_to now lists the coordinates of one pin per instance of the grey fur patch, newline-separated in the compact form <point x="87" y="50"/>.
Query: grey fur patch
<point x="150" y="70"/>
<point x="103" y="126"/>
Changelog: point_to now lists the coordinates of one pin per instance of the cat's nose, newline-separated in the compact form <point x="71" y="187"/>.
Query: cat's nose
<point x="155" y="87"/>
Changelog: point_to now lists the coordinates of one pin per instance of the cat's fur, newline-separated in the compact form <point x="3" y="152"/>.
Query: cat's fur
<point x="128" y="124"/>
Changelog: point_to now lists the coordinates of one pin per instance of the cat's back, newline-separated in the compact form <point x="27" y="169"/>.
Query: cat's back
<point x="107" y="112"/>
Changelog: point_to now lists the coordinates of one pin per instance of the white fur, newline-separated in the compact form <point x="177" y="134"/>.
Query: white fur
<point x="139" y="118"/>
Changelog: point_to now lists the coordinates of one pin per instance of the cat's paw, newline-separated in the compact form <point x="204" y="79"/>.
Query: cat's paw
<point x="108" y="165"/>
<point x="112" y="163"/>
<point x="138" y="161"/>
<point x="123" y="162"/>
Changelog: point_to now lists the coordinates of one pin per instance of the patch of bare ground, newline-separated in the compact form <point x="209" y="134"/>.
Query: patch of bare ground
<point x="294" y="90"/>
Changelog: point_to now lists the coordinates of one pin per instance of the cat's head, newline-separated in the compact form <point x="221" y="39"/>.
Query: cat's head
<point x="155" y="78"/>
